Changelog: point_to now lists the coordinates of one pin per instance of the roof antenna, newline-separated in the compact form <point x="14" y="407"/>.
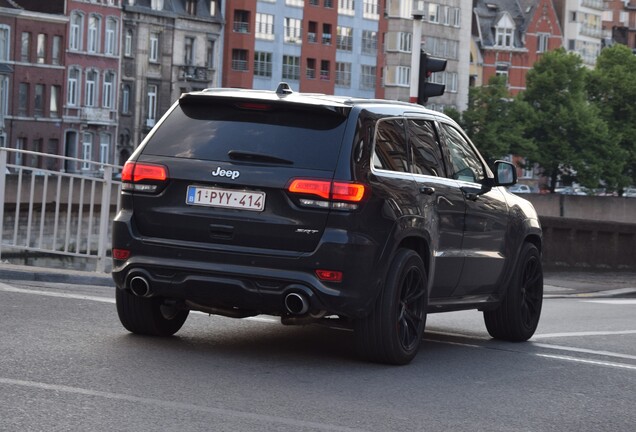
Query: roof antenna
<point x="284" y="89"/>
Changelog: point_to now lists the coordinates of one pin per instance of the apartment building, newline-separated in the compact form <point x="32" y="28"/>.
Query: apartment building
<point x="619" y="23"/>
<point x="169" y="48"/>
<point x="325" y="46"/>
<point x="582" y="26"/>
<point x="32" y="79"/>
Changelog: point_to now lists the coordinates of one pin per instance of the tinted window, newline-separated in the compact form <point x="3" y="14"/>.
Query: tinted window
<point x="465" y="165"/>
<point x="210" y="129"/>
<point x="390" y="146"/>
<point x="427" y="157"/>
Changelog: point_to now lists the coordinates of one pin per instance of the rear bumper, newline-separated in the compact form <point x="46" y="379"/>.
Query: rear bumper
<point x="253" y="280"/>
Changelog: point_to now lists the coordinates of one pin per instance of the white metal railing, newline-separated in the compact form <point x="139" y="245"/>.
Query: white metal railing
<point x="51" y="211"/>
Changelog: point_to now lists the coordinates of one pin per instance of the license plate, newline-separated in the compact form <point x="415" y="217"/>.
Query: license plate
<point x="227" y="198"/>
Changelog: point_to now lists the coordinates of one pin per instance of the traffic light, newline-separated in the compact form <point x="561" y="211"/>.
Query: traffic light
<point x="429" y="65"/>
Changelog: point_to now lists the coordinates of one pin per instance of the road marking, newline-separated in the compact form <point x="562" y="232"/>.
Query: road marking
<point x="577" y="334"/>
<point x="593" y="362"/>
<point x="8" y="288"/>
<point x="584" y="351"/>
<point x="613" y="301"/>
<point x="178" y="405"/>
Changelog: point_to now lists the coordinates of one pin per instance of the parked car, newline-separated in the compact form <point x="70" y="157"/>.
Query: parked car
<point x="314" y="207"/>
<point x="630" y="192"/>
<point x="520" y="188"/>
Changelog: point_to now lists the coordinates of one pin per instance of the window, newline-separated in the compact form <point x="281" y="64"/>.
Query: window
<point x="20" y="144"/>
<point x="110" y="42"/>
<point x="209" y="53"/>
<point x="427" y="156"/>
<point x="72" y="94"/>
<point x="25" y="47"/>
<point x="311" y="68"/>
<point x="213" y="7"/>
<point x="389" y="151"/>
<point x="344" y="38"/>
<point x="433" y="13"/>
<point x="367" y="79"/>
<point x="107" y="92"/>
<point x="75" y="40"/>
<point x="264" y="26"/>
<point x="104" y="148"/>
<point x="299" y="3"/>
<point x="241" y="21"/>
<point x="54" y="103"/>
<point x="456" y="17"/>
<point x="293" y="30"/>
<point x="152" y="105"/>
<point x="465" y="165"/>
<point x="369" y="42"/>
<point x="501" y="69"/>
<point x="503" y="37"/>
<point x="370" y="9"/>
<point x="191" y="7"/>
<point x="56" y="51"/>
<point x="156" y="4"/>
<point x="41" y="48"/>
<point x="239" y="60"/>
<point x="23" y="99"/>
<point x="291" y="67"/>
<point x="4" y="96"/>
<point x="312" y="32"/>
<point x="188" y="51"/>
<point x="346" y="7"/>
<point x="87" y="150"/>
<point x="343" y="74"/>
<point x="93" y="34"/>
<point x="90" y="88"/>
<point x="326" y="34"/>
<point x="125" y="99"/>
<point x="263" y="64"/>
<point x="542" y="42"/>
<point x="4" y="42"/>
<point x="403" y="76"/>
<point x="325" y="70"/>
<point x="128" y="41"/>
<point x="153" y="56"/>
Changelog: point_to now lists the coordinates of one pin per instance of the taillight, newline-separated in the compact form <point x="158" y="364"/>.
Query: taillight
<point x="143" y="177"/>
<point x="329" y="275"/>
<point x="335" y="195"/>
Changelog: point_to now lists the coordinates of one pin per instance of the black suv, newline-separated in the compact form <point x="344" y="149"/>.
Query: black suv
<point x="313" y="208"/>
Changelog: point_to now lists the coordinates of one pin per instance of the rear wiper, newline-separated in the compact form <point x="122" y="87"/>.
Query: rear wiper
<point x="257" y="157"/>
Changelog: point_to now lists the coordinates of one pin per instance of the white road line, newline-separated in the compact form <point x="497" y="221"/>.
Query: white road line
<point x="577" y="334"/>
<point x="592" y="362"/>
<point x="8" y="288"/>
<point x="177" y="405"/>
<point x="585" y="351"/>
<point x="612" y="301"/>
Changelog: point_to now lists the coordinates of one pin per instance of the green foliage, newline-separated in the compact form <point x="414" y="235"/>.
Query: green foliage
<point x="612" y="89"/>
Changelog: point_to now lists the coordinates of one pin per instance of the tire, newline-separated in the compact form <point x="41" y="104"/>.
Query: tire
<point x="146" y="316"/>
<point x="393" y="331"/>
<point x="517" y="316"/>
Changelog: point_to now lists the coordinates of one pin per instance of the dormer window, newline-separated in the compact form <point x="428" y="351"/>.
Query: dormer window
<point x="504" y="31"/>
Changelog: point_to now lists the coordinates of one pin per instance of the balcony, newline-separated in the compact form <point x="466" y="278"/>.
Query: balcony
<point x="101" y="115"/>
<point x="193" y="73"/>
<point x="241" y="27"/>
<point x="593" y="4"/>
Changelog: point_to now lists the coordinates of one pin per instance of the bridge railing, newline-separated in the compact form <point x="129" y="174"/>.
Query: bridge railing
<point x="60" y="206"/>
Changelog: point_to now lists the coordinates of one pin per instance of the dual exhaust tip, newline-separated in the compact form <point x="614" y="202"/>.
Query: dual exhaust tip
<point x="295" y="303"/>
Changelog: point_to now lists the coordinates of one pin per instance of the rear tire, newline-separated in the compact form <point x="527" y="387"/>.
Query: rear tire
<point x="517" y="317"/>
<point x="393" y="331"/>
<point x="147" y="316"/>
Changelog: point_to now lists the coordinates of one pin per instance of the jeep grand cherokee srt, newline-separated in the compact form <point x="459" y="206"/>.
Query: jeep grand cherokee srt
<point x="313" y="207"/>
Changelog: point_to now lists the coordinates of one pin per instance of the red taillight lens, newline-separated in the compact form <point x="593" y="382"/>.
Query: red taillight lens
<point x="337" y="191"/>
<point x="121" y="254"/>
<point x="143" y="177"/>
<point x="329" y="275"/>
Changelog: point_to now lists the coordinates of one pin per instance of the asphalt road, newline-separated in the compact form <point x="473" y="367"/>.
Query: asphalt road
<point x="67" y="364"/>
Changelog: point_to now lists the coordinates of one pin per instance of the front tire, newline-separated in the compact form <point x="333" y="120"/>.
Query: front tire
<point x="393" y="331"/>
<point x="148" y="316"/>
<point x="517" y="317"/>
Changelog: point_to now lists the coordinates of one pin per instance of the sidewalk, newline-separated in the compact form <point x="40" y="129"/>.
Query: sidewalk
<point x="556" y="284"/>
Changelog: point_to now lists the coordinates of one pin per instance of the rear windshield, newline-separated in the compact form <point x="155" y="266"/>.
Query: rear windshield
<point x="304" y="137"/>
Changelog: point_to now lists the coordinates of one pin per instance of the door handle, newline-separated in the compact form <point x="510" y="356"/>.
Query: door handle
<point x="427" y="190"/>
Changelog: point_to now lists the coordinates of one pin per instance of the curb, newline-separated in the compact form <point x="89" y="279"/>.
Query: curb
<point x="70" y="277"/>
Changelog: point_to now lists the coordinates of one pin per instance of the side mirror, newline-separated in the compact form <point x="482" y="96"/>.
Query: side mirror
<point x="505" y="173"/>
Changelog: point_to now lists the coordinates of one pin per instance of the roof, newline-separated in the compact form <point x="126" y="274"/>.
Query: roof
<point x="489" y="12"/>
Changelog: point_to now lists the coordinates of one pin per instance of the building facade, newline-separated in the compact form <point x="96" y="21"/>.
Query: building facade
<point x="325" y="46"/>
<point x="582" y="26"/>
<point x="169" y="47"/>
<point x="512" y="35"/>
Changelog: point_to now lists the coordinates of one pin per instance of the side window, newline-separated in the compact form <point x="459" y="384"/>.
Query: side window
<point x="390" y="146"/>
<point x="427" y="156"/>
<point x="465" y="165"/>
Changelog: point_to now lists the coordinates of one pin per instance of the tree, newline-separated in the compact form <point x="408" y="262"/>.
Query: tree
<point x="572" y="140"/>
<point x="494" y="121"/>
<point x="612" y="89"/>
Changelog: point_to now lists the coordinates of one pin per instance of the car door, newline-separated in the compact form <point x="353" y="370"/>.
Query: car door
<point x="483" y="241"/>
<point x="440" y="204"/>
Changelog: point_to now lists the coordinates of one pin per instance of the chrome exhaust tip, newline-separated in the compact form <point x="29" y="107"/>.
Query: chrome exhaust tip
<point x="296" y="304"/>
<point x="140" y="286"/>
